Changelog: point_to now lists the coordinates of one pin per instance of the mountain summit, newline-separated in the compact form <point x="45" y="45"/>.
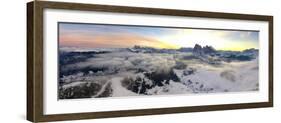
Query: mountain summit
<point x="199" y="50"/>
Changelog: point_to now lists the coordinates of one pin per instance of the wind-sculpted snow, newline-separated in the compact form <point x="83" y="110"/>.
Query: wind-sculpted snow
<point x="137" y="72"/>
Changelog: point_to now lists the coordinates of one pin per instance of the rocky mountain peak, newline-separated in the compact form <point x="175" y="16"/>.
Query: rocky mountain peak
<point x="208" y="49"/>
<point x="199" y="50"/>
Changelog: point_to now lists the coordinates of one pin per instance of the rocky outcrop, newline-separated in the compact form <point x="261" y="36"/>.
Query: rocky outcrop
<point x="199" y="50"/>
<point x="209" y="50"/>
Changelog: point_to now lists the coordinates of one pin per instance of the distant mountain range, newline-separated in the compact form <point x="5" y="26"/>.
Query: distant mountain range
<point x="197" y="49"/>
<point x="69" y="55"/>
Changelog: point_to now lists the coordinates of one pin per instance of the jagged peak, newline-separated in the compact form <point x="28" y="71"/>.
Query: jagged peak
<point x="203" y="50"/>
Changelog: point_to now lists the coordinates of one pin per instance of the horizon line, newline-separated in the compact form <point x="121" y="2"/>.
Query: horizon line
<point x="143" y="46"/>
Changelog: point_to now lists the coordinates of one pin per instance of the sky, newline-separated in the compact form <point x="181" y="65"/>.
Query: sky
<point x="121" y="36"/>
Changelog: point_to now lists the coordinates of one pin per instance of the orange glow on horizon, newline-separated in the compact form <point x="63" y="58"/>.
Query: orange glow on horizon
<point x="123" y="37"/>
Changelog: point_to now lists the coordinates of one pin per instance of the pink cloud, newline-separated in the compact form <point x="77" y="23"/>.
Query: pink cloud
<point x="109" y="40"/>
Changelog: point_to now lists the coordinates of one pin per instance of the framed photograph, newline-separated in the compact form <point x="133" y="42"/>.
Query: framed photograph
<point x="90" y="61"/>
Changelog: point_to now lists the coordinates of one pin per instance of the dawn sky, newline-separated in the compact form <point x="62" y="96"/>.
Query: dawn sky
<point x="116" y="36"/>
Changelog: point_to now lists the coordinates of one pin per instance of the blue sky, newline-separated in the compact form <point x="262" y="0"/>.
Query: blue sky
<point x="118" y="36"/>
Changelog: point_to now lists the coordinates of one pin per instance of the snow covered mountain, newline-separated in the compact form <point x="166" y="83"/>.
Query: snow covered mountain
<point x="136" y="71"/>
